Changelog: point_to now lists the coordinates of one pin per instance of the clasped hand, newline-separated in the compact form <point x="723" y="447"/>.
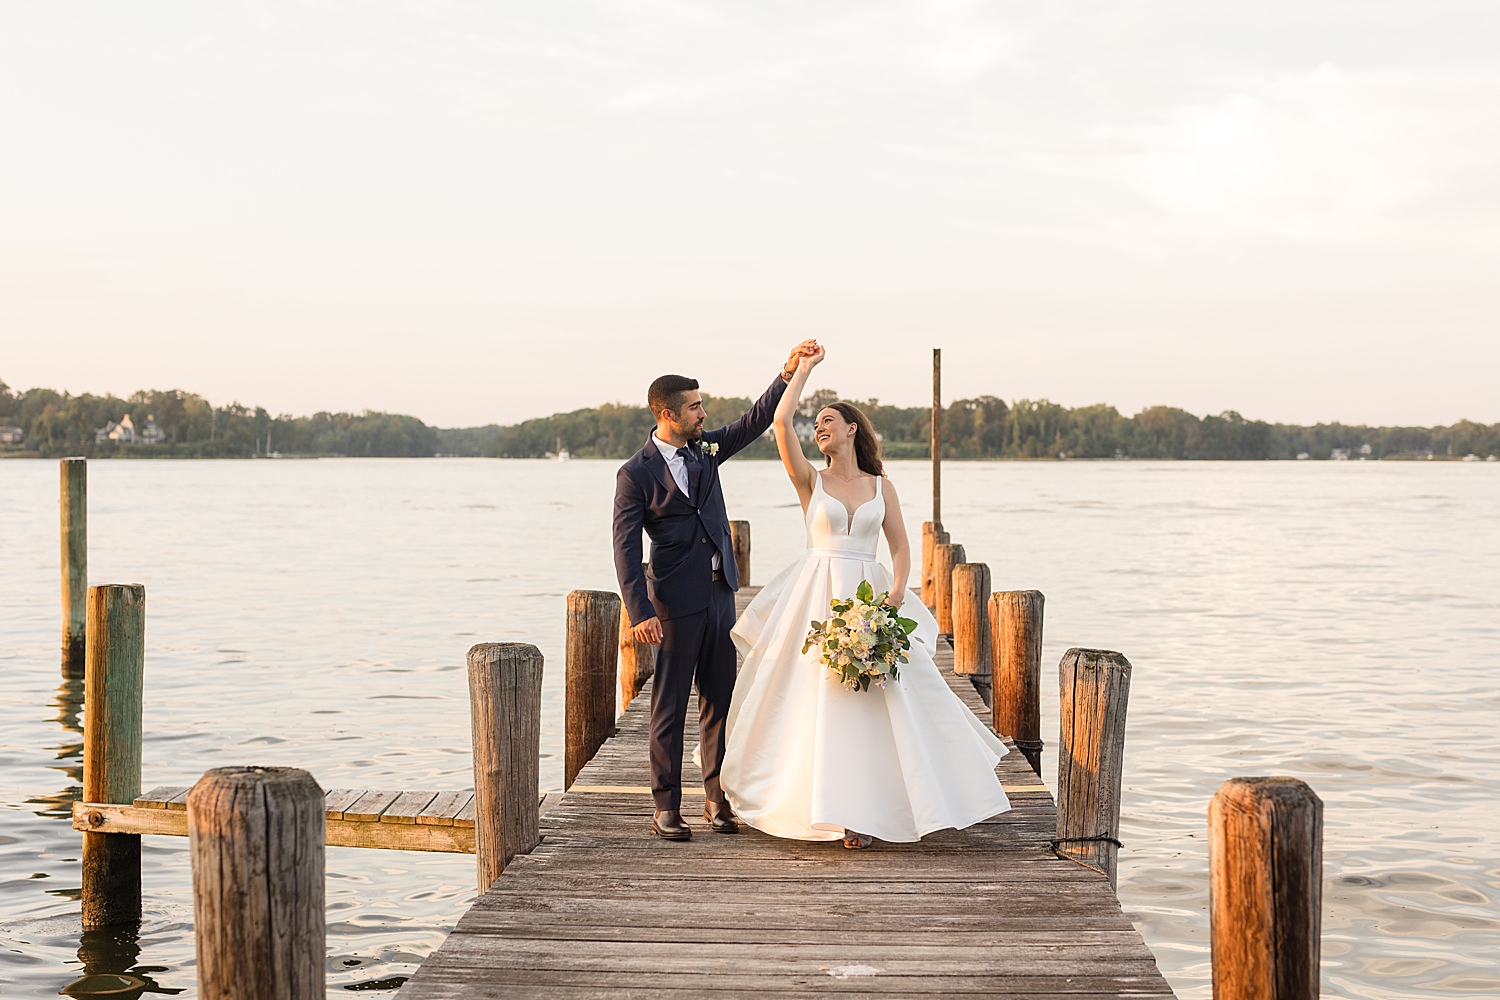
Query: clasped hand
<point x="804" y="355"/>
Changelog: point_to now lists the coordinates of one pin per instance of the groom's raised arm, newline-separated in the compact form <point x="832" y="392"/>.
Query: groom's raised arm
<point x="752" y="423"/>
<point x="630" y="520"/>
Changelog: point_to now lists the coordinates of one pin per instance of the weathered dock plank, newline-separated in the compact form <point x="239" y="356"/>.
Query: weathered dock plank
<point x="355" y="817"/>
<point x="442" y="810"/>
<point x="603" y="909"/>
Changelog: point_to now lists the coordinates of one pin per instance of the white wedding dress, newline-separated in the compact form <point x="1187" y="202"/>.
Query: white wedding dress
<point x="808" y="758"/>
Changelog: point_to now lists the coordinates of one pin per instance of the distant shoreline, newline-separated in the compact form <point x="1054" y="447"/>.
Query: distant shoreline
<point x="174" y="424"/>
<point x="142" y="456"/>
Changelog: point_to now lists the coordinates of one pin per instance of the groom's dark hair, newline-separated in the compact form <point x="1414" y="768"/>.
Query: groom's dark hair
<point x="666" y="393"/>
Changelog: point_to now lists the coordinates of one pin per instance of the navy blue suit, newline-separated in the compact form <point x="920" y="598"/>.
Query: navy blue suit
<point x="696" y="611"/>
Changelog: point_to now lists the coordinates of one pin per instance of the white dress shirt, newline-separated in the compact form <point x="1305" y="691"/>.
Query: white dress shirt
<point x="678" y="468"/>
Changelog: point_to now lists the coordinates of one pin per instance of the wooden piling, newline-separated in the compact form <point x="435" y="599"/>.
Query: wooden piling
<point x="1265" y="859"/>
<point x="739" y="535"/>
<point x="1094" y="688"/>
<point x="74" y="509"/>
<point x="1016" y="621"/>
<point x="505" y="719"/>
<point x="933" y="535"/>
<point x="944" y="558"/>
<point x="637" y="662"/>
<point x="114" y="676"/>
<point x="937" y="436"/>
<point x="255" y="837"/>
<point x="593" y="638"/>
<point x="971" y="619"/>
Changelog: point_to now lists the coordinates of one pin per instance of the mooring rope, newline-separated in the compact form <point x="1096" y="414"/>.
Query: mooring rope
<point x="1084" y="840"/>
<point x="1053" y="845"/>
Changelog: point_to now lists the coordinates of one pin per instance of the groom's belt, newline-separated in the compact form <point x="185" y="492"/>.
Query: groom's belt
<point x="718" y="576"/>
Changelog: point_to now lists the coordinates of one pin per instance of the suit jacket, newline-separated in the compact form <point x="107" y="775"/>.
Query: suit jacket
<point x="685" y="531"/>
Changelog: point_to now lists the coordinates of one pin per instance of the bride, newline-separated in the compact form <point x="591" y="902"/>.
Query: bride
<point x="807" y="758"/>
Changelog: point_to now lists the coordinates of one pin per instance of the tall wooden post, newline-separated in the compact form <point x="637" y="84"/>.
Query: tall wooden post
<point x="739" y="533"/>
<point x="256" y="836"/>
<point x="937" y="436"/>
<point x="593" y="639"/>
<point x="1265" y="860"/>
<point x="505" y="720"/>
<point x="971" y="619"/>
<point x="114" y="676"/>
<point x="74" y="510"/>
<point x="637" y="661"/>
<point x="944" y="558"/>
<point x="1016" y="618"/>
<point x="1094" y="687"/>
<point x="933" y="535"/>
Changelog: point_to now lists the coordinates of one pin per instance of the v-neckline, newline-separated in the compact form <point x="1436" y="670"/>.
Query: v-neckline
<point x="848" y="515"/>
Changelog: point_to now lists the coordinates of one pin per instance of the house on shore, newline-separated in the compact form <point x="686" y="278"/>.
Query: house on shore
<point x="12" y="435"/>
<point x="122" y="432"/>
<point x="125" y="432"/>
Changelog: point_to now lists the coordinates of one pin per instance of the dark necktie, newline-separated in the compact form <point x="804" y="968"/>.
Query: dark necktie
<point x="692" y="467"/>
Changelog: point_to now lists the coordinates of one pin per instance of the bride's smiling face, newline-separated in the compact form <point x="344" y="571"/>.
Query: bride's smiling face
<point x="832" y="432"/>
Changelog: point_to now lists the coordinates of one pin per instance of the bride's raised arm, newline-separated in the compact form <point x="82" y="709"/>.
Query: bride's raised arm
<point x="895" y="537"/>
<point x="797" y="466"/>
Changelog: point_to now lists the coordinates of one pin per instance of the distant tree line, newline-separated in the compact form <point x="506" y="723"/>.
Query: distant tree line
<point x="988" y="427"/>
<point x="614" y="430"/>
<point x="57" y="424"/>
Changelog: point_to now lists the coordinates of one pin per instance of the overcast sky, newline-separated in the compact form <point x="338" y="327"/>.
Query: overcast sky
<point x="485" y="212"/>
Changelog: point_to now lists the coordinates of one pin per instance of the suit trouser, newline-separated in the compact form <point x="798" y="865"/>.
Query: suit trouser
<point x="694" y="648"/>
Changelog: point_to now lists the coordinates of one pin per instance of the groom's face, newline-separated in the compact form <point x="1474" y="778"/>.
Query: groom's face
<point x="688" y="418"/>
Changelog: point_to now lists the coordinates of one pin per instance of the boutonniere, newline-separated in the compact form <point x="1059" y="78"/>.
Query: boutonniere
<point x="708" y="447"/>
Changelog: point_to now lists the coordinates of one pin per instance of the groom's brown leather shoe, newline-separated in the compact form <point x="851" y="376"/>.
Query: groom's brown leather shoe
<point x="720" y="817"/>
<point x="668" y="825"/>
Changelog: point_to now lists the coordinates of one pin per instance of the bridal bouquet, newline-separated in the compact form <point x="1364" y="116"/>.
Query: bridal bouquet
<point x="863" y="640"/>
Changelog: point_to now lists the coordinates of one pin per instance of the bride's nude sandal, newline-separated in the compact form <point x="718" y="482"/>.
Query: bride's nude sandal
<point x="856" y="841"/>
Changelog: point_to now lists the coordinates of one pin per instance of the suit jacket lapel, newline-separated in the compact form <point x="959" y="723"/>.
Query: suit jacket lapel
<point x="658" y="466"/>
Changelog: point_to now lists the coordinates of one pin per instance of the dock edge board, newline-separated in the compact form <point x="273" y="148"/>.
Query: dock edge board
<point x="104" y="817"/>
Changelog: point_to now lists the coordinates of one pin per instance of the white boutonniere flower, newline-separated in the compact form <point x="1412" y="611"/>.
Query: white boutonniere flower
<point x="708" y="447"/>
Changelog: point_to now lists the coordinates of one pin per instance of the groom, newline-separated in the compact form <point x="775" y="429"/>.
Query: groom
<point x="670" y="488"/>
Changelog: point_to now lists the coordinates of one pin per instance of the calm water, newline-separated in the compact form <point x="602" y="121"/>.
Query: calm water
<point x="1336" y="622"/>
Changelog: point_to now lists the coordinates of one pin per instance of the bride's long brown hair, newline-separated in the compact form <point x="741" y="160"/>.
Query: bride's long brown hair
<point x="866" y="444"/>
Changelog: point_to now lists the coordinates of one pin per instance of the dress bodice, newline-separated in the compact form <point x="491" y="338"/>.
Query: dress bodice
<point x="829" y="525"/>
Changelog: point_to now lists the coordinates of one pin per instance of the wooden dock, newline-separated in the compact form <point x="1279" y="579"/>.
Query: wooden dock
<point x="603" y="909"/>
